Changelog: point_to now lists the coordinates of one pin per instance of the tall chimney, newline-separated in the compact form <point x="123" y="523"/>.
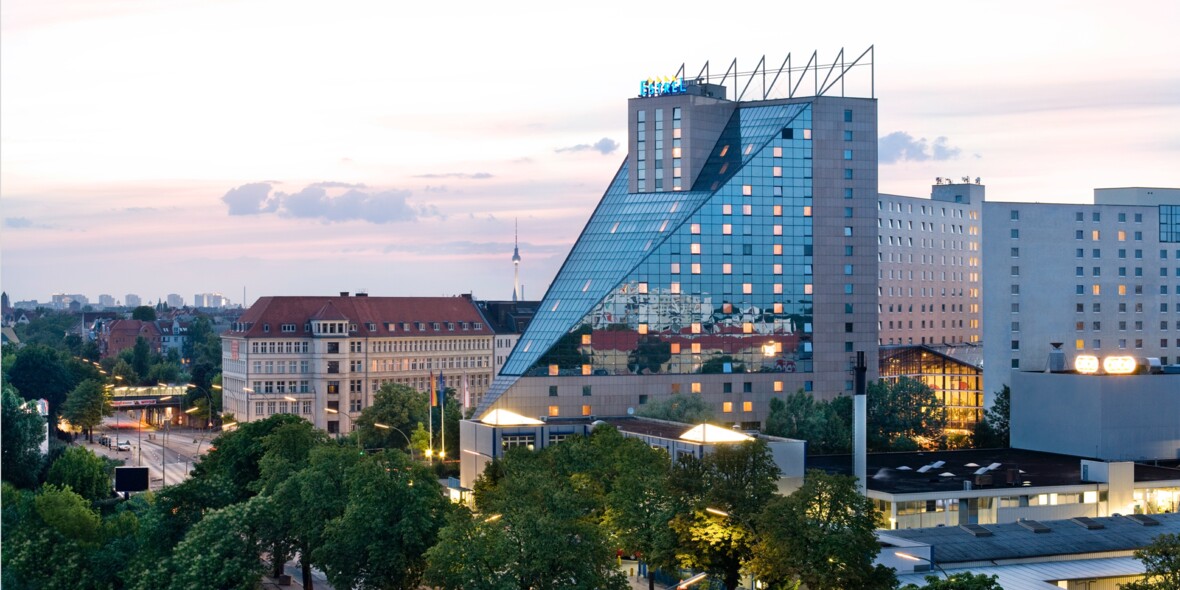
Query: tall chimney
<point x="859" y="425"/>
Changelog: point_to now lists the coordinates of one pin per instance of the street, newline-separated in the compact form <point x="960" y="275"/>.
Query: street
<point x="171" y="451"/>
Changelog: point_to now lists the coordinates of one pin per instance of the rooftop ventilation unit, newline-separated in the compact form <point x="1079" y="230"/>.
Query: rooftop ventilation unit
<point x="1034" y="526"/>
<point x="976" y="530"/>
<point x="1144" y="519"/>
<point x="1056" y="358"/>
<point x="1087" y="523"/>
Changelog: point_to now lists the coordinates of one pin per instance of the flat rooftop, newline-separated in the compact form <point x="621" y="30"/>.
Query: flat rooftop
<point x="952" y="544"/>
<point x="898" y="473"/>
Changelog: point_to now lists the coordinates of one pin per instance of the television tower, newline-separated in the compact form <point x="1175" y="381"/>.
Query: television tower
<point x="516" y="260"/>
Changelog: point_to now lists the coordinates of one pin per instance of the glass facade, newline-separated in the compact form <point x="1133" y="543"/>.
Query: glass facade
<point x="1169" y="223"/>
<point x="959" y="385"/>
<point x="714" y="279"/>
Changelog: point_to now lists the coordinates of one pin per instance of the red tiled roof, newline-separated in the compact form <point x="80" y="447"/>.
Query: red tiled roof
<point x="383" y="313"/>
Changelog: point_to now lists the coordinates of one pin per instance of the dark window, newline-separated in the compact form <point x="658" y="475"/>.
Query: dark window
<point x="788" y="133"/>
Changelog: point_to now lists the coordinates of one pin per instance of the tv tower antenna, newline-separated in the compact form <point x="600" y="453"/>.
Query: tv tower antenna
<point x="516" y="259"/>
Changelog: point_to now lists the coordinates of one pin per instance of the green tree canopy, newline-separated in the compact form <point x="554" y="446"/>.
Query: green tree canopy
<point x="723" y="495"/>
<point x="1161" y="560"/>
<point x="22" y="430"/>
<point x="235" y="455"/>
<point x="822" y="537"/>
<point x="992" y="431"/>
<point x="394" y="405"/>
<point x="903" y="414"/>
<point x="144" y="313"/>
<point x="80" y="470"/>
<point x="960" y="581"/>
<point x="86" y="405"/>
<point x="220" y="551"/>
<point x="40" y="372"/>
<point x="823" y="424"/>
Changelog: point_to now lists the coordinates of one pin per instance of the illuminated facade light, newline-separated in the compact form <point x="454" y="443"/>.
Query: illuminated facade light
<point x="1085" y="363"/>
<point x="1119" y="365"/>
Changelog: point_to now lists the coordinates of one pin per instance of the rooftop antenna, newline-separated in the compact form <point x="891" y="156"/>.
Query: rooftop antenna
<point x="516" y="294"/>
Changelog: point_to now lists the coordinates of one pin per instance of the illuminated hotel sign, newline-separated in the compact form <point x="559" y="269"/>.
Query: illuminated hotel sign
<point x="661" y="87"/>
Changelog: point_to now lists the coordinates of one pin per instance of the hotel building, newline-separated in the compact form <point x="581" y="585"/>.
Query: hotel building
<point x="733" y="256"/>
<point x="1101" y="279"/>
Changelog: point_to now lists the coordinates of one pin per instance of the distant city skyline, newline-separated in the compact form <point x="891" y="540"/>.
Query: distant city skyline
<point x="277" y="148"/>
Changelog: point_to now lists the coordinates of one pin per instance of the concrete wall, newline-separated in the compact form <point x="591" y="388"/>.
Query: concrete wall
<point x="1109" y="417"/>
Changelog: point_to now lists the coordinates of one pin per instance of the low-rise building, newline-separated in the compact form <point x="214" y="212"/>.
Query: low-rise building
<point x="323" y="357"/>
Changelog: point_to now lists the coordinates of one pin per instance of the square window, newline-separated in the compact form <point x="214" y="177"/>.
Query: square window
<point x="552" y="391"/>
<point x="726" y="407"/>
<point x="727" y="387"/>
<point x="848" y="115"/>
<point x="747" y="406"/>
<point x="848" y="174"/>
<point x="1014" y="233"/>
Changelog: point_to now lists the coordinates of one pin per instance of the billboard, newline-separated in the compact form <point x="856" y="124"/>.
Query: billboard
<point x="131" y="479"/>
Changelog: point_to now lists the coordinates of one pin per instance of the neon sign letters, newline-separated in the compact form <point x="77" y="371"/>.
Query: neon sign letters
<point x="661" y="87"/>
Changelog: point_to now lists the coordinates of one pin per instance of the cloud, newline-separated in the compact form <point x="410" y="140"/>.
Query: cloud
<point x="250" y="199"/>
<point x="326" y="202"/>
<point x="18" y="222"/>
<point x="899" y="146"/>
<point x="604" y="146"/>
<point x="471" y="176"/>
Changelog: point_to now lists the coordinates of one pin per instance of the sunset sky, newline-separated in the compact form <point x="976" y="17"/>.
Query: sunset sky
<point x="286" y="148"/>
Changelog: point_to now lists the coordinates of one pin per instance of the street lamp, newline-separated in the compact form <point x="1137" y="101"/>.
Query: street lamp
<point x="912" y="557"/>
<point x="338" y="412"/>
<point x="409" y="445"/>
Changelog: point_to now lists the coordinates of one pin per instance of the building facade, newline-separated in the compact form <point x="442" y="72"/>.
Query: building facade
<point x="308" y="355"/>
<point x="733" y="256"/>
<point x="929" y="263"/>
<point x="1101" y="278"/>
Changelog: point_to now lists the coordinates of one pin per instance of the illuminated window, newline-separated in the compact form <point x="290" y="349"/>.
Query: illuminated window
<point x="747" y="406"/>
<point x="806" y="134"/>
<point x="1094" y="235"/>
<point x="747" y="190"/>
<point x="747" y="209"/>
<point x="696" y="348"/>
<point x="675" y="288"/>
<point x="585" y="339"/>
<point x="675" y="348"/>
<point x="777" y="171"/>
<point x="807" y="289"/>
<point x="695" y="228"/>
<point x="585" y="410"/>
<point x="696" y="328"/>
<point x="643" y="287"/>
<point x="778" y="249"/>
<point x="675" y="152"/>
<point x="778" y="210"/>
<point x="643" y="328"/>
<point x="807" y="211"/>
<point x="778" y="308"/>
<point x="587" y="369"/>
<point x="1079" y="344"/>
<point x="726" y="407"/>
<point x="726" y="268"/>
<point x="778" y="152"/>
<point x="778" y="269"/>
<point x="696" y="387"/>
<point x="778" y="289"/>
<point x="778" y="385"/>
<point x="1097" y="289"/>
<point x="554" y="370"/>
<point x="747" y="328"/>
<point x="778" y="230"/>
<point x="554" y="411"/>
<point x="727" y="209"/>
<point x="696" y="268"/>
<point x="675" y="269"/>
<point x="747" y="288"/>
<point x="726" y="229"/>
<point x="695" y="248"/>
<point x="1122" y="236"/>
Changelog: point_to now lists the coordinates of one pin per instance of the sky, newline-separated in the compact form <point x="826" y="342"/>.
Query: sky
<point x="260" y="147"/>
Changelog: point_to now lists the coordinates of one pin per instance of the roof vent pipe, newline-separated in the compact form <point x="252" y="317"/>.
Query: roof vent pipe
<point x="1056" y="358"/>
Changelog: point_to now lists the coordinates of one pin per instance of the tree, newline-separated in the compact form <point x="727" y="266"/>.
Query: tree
<point x="52" y="539"/>
<point x="1161" y="560"/>
<point x="22" y="429"/>
<point x="820" y="536"/>
<point x="86" y="405"/>
<point x="141" y="357"/>
<point x="904" y="414"/>
<point x="540" y="525"/>
<point x="638" y="503"/>
<point x="724" y="494"/>
<point x="39" y="372"/>
<point x="235" y="455"/>
<point x="993" y="431"/>
<point x="394" y="512"/>
<point x="221" y="551"/>
<point x="687" y="409"/>
<point x="959" y="581"/>
<point x="144" y="313"/>
<point x="80" y="470"/>
<point x="821" y="423"/>
<point x="471" y="553"/>
<point x="394" y="405"/>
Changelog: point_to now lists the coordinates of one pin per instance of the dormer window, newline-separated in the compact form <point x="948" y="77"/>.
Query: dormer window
<point x="265" y="327"/>
<point x="451" y="326"/>
<point x="420" y="326"/>
<point x="434" y="325"/>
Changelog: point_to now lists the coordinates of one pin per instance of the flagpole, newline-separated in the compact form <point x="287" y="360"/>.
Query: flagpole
<point x="430" y="419"/>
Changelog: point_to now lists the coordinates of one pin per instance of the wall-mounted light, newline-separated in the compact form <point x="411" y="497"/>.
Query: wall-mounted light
<point x="1119" y="365"/>
<point x="1087" y="364"/>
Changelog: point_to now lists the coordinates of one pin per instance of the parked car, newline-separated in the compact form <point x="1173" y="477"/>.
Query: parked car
<point x="123" y="446"/>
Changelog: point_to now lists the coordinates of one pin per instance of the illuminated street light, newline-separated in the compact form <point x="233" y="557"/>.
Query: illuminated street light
<point x="718" y="512"/>
<point x="911" y="557"/>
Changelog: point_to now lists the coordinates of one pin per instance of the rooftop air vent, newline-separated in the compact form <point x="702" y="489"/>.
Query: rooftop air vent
<point x="1034" y="526"/>
<point x="1144" y="519"/>
<point x="1088" y="523"/>
<point x="976" y="530"/>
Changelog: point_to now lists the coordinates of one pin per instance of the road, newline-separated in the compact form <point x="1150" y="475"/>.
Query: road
<point x="171" y="451"/>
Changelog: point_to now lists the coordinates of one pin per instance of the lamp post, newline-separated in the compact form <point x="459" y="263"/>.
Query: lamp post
<point x="913" y="557"/>
<point x="409" y="445"/>
<point x="209" y="398"/>
<point x="338" y="412"/>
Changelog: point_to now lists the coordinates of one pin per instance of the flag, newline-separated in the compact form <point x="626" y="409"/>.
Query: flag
<point x="442" y="390"/>
<point x="466" y="394"/>
<point x="433" y="393"/>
